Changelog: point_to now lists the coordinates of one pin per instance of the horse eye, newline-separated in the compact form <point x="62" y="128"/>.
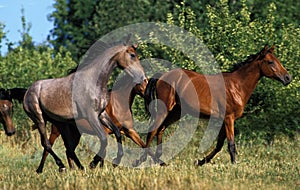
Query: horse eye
<point x="270" y="62"/>
<point x="132" y="55"/>
<point x="5" y="106"/>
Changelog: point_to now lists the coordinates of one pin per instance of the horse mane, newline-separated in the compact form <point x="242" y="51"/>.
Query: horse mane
<point x="100" y="52"/>
<point x="4" y="95"/>
<point x="13" y="93"/>
<point x="72" y="70"/>
<point x="248" y="60"/>
<point x="17" y="93"/>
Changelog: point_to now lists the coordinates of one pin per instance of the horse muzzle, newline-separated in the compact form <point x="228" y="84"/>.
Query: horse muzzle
<point x="10" y="133"/>
<point x="286" y="79"/>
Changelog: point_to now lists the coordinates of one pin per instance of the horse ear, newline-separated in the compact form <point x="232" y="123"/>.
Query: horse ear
<point x="271" y="50"/>
<point x="127" y="39"/>
<point x="264" y="51"/>
<point x="135" y="46"/>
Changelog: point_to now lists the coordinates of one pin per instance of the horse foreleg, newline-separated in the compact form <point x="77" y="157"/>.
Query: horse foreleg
<point x="99" y="157"/>
<point x="106" y="120"/>
<point x="100" y="132"/>
<point x="120" y="153"/>
<point x="158" y="152"/>
<point x="229" y="127"/>
<point x="220" y="143"/>
<point x="147" y="149"/>
<point x="159" y="119"/>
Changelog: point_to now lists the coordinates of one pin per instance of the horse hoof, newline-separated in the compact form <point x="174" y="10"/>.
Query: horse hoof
<point x="163" y="164"/>
<point x="93" y="165"/>
<point x="62" y="169"/>
<point x="39" y="171"/>
<point x="101" y="164"/>
<point x="136" y="163"/>
<point x="199" y="162"/>
<point x="115" y="165"/>
<point x="116" y="162"/>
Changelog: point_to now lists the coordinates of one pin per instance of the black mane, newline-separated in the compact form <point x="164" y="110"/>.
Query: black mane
<point x="13" y="93"/>
<point x="249" y="59"/>
<point x="4" y="95"/>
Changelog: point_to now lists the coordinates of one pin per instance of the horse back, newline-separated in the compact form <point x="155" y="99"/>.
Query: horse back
<point x="196" y="93"/>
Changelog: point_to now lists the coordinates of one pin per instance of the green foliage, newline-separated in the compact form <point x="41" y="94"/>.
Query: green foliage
<point x="79" y="23"/>
<point x="22" y="67"/>
<point x="233" y="35"/>
<point x="2" y="34"/>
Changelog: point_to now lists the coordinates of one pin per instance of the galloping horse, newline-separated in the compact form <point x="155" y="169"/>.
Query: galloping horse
<point x="116" y="114"/>
<point x="175" y="90"/>
<point x="6" y="107"/>
<point x="80" y="95"/>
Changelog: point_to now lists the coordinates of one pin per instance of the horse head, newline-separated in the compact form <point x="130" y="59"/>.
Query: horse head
<point x="271" y="67"/>
<point x="140" y="88"/>
<point x="6" y="110"/>
<point x="129" y="61"/>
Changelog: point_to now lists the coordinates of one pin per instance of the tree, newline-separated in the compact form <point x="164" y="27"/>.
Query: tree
<point x="79" y="23"/>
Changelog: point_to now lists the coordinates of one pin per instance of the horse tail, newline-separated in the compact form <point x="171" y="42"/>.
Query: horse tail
<point x="150" y="92"/>
<point x="17" y="93"/>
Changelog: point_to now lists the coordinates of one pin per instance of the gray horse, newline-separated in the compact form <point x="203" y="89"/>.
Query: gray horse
<point x="80" y="95"/>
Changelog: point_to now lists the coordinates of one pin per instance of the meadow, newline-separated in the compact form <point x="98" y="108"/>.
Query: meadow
<point x="259" y="166"/>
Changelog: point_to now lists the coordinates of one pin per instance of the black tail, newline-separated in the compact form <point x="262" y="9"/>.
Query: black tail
<point x="17" y="94"/>
<point x="150" y="92"/>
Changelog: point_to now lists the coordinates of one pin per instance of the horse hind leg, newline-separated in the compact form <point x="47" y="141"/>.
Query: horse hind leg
<point x="33" y="110"/>
<point x="47" y="145"/>
<point x="53" y="136"/>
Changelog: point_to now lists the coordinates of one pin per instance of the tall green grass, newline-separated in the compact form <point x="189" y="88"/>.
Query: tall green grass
<point x="259" y="166"/>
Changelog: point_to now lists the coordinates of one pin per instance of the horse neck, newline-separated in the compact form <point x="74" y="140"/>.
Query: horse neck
<point x="249" y="75"/>
<point x="105" y="74"/>
<point x="126" y="94"/>
<point x="131" y="97"/>
<point x="95" y="75"/>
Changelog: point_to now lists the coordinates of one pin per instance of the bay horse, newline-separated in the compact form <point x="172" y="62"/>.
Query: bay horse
<point x="116" y="114"/>
<point x="80" y="95"/>
<point x="6" y="107"/>
<point x="174" y="89"/>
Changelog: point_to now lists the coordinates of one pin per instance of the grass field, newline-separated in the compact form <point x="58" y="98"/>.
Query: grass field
<point x="259" y="166"/>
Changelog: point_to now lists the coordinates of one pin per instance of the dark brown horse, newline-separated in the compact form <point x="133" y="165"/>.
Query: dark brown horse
<point x="116" y="114"/>
<point x="6" y="107"/>
<point x="80" y="95"/>
<point x="187" y="92"/>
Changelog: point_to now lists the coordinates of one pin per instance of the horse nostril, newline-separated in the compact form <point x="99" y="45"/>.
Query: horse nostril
<point x="10" y="133"/>
<point x="287" y="78"/>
